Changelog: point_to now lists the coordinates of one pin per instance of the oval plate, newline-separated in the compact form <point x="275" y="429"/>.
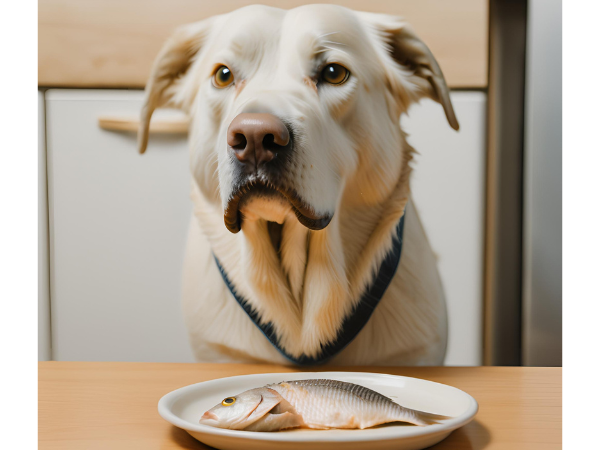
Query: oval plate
<point x="184" y="407"/>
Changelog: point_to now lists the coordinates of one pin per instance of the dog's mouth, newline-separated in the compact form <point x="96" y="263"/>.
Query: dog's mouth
<point x="306" y="215"/>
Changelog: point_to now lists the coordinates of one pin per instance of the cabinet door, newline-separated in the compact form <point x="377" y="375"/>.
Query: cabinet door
<point x="448" y="185"/>
<point x="118" y="223"/>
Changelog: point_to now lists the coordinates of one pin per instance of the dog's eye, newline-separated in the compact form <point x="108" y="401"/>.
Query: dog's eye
<point x="223" y="77"/>
<point x="335" y="74"/>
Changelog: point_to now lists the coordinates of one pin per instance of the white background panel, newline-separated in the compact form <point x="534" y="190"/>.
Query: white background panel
<point x="448" y="187"/>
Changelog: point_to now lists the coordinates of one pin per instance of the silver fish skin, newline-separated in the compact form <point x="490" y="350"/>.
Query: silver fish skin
<point x="317" y="403"/>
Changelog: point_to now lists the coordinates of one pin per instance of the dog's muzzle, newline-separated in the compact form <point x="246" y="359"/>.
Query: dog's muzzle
<point x="263" y="147"/>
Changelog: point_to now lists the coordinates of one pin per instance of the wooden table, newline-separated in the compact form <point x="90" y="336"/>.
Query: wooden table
<point x="94" y="405"/>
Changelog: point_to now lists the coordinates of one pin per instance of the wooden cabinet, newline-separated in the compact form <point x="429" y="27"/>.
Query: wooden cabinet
<point x="118" y="223"/>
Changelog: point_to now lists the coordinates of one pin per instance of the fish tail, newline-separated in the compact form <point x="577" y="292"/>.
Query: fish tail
<point x="424" y="418"/>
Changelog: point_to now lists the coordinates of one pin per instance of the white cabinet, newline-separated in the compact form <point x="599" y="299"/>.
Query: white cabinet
<point x="448" y="186"/>
<point x="118" y="223"/>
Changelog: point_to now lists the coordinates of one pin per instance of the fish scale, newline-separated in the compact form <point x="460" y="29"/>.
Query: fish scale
<point x="336" y="404"/>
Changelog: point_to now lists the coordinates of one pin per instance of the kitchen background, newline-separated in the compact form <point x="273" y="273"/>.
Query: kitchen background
<point x="113" y="223"/>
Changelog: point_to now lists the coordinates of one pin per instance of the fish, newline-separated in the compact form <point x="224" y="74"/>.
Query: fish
<point x="317" y="404"/>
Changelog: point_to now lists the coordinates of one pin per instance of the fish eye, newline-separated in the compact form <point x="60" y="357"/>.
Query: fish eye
<point x="335" y="74"/>
<point x="228" y="401"/>
<point x="223" y="77"/>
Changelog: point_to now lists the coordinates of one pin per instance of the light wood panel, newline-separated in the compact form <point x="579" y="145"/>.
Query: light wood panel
<point x="172" y="126"/>
<point x="112" y="43"/>
<point x="114" y="405"/>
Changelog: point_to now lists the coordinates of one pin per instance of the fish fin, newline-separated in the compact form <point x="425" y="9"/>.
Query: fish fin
<point x="282" y="407"/>
<point x="269" y="400"/>
<point x="276" y="422"/>
<point x="424" y="418"/>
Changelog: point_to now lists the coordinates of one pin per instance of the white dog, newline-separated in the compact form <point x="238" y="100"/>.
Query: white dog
<point x="304" y="245"/>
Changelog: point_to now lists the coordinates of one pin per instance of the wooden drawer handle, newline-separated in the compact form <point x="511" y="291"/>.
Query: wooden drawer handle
<point x="162" y="126"/>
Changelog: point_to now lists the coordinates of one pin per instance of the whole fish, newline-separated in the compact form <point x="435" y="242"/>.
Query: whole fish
<point x="319" y="404"/>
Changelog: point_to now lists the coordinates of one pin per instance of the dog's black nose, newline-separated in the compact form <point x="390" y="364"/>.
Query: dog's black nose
<point x="256" y="139"/>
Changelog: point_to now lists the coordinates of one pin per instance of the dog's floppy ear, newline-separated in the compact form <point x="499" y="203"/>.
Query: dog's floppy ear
<point x="168" y="71"/>
<point x="417" y="66"/>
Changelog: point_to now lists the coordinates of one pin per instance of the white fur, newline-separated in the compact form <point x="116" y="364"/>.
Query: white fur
<point x="351" y="162"/>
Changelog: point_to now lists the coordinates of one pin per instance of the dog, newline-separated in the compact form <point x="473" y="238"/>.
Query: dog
<point x="304" y="246"/>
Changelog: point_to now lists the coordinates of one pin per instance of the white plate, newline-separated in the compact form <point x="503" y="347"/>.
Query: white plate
<point x="184" y="407"/>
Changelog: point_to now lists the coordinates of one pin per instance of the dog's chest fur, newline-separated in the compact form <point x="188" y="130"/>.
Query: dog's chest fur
<point x="408" y="327"/>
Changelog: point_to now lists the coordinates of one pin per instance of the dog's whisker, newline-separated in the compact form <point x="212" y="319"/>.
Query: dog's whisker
<point x="327" y="34"/>
<point x="334" y="43"/>
<point x="335" y="49"/>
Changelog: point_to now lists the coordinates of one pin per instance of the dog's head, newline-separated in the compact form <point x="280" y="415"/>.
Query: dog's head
<point x="294" y="110"/>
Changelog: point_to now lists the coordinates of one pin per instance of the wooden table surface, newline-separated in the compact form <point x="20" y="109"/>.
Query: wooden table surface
<point x="95" y="405"/>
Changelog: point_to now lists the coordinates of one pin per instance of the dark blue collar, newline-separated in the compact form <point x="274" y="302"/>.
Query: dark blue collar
<point x="352" y="324"/>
